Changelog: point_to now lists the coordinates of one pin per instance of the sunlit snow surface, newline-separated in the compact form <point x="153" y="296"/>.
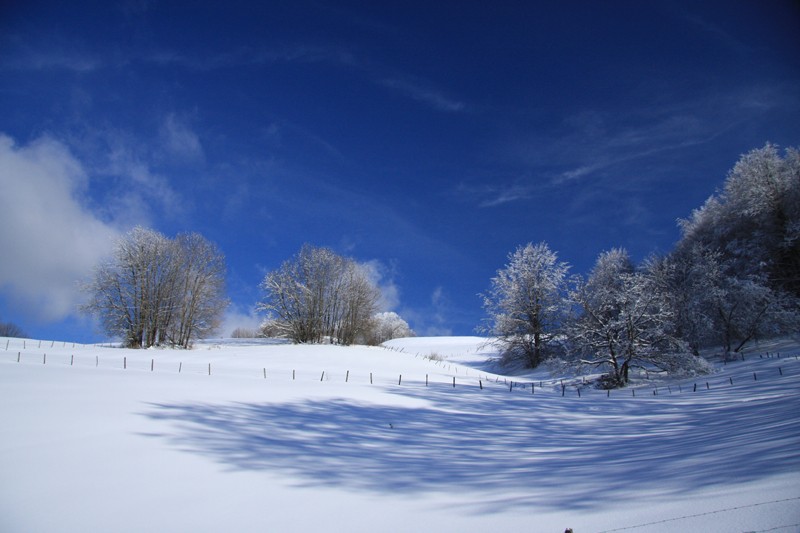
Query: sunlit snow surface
<point x="264" y="436"/>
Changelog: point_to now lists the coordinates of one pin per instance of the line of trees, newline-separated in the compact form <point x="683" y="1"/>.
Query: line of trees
<point x="733" y="277"/>
<point x="159" y="291"/>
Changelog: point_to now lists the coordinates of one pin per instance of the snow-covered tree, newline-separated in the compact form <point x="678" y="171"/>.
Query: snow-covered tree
<point x="684" y="279"/>
<point x="736" y="269"/>
<point x="754" y="221"/>
<point x="624" y="322"/>
<point x="387" y="326"/>
<point x="526" y="303"/>
<point x="732" y="309"/>
<point x="318" y="295"/>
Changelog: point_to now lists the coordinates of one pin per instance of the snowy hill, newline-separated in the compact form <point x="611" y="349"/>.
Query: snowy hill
<point x="422" y="434"/>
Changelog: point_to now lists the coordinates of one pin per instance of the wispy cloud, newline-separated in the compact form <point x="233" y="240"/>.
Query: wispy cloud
<point x="424" y="93"/>
<point x="180" y="140"/>
<point x="595" y="142"/>
<point x="619" y="150"/>
<point x="141" y="188"/>
<point x="717" y="33"/>
<point x="244" y="56"/>
<point x="64" y="58"/>
<point x="301" y="53"/>
<point x="438" y="318"/>
<point x="496" y="194"/>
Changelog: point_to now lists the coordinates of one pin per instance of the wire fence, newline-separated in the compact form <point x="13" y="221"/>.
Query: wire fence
<point x="444" y="373"/>
<point x="707" y="513"/>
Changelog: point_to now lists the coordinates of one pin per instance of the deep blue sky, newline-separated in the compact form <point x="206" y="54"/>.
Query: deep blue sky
<point x="426" y="138"/>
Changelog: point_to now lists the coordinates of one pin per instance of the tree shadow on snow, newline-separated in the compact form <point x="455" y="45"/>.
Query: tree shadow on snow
<point x="506" y="450"/>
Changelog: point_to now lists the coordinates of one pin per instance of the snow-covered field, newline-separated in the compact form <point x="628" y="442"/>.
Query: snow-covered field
<point x="250" y="436"/>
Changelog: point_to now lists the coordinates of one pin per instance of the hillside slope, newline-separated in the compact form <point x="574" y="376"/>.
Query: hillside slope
<point x="255" y="437"/>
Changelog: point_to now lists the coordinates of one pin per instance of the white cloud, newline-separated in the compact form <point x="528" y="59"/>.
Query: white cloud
<point x="381" y="275"/>
<point x="48" y="237"/>
<point x="237" y="317"/>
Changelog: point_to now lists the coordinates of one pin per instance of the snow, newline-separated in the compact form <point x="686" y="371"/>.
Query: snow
<point x="88" y="445"/>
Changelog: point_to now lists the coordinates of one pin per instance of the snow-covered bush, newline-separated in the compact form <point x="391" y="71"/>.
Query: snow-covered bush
<point x="387" y="326"/>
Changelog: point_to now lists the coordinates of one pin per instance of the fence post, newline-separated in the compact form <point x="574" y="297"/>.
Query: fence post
<point x="347" y="377"/>
<point x="400" y="379"/>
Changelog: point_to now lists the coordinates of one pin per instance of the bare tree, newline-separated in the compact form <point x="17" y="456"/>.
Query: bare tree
<point x="154" y="290"/>
<point x="200" y="286"/>
<point x="318" y="295"/>
<point x="9" y="329"/>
